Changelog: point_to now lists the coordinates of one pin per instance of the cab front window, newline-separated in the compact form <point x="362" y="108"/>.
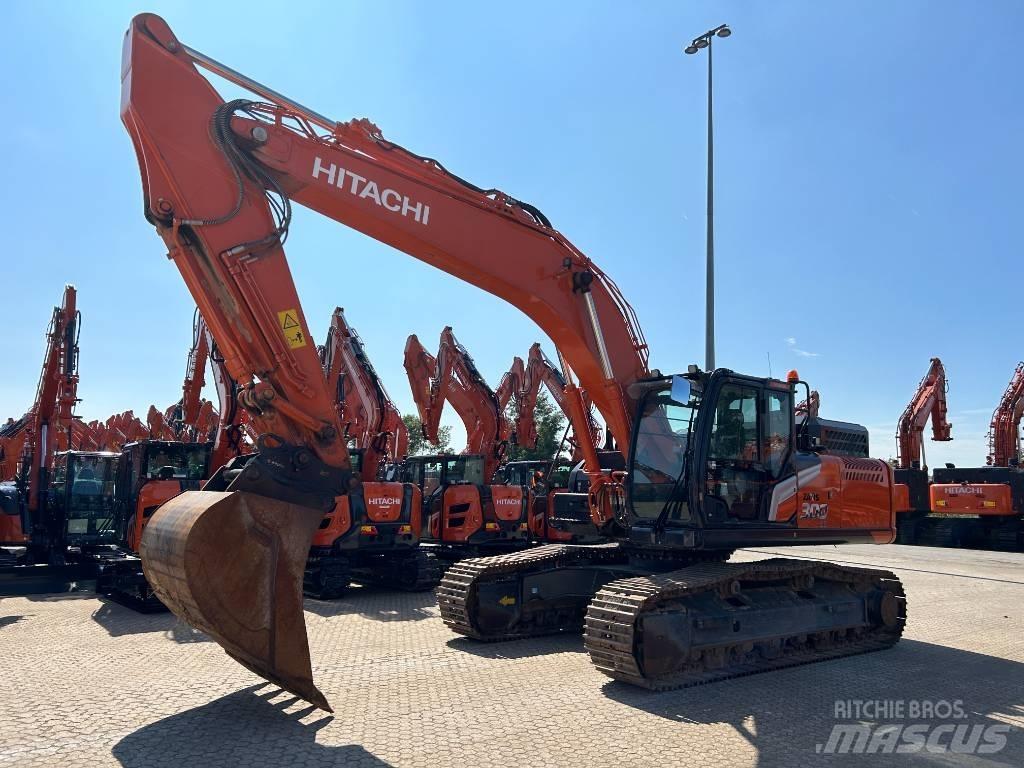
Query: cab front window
<point x="656" y="481"/>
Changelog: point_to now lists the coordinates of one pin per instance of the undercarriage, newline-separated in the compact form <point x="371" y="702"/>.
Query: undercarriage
<point x="673" y="620"/>
<point x="329" y="572"/>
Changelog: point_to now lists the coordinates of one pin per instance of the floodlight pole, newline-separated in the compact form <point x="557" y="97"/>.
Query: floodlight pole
<point x="705" y="41"/>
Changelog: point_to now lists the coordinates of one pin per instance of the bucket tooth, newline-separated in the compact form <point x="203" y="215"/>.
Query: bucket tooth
<point x="231" y="565"/>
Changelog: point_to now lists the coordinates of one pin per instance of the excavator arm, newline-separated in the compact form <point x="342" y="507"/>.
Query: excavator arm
<point x="56" y="395"/>
<point x="159" y="429"/>
<point x="929" y="401"/>
<point x="541" y="371"/>
<point x="453" y="377"/>
<point x="510" y="388"/>
<point x="368" y="414"/>
<point x="1004" y="430"/>
<point x="186" y="411"/>
<point x="218" y="183"/>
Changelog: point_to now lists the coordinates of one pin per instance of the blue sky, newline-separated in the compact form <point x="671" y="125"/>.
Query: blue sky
<point x="868" y="171"/>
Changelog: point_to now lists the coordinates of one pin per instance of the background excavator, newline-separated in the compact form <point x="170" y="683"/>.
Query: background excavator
<point x="33" y="514"/>
<point x="714" y="460"/>
<point x="983" y="506"/>
<point x="372" y="537"/>
<point x="371" y="420"/>
<point x="452" y="377"/>
<point x="548" y="478"/>
<point x="928" y="402"/>
<point x="183" y="416"/>
<point x="465" y="513"/>
<point x="540" y="371"/>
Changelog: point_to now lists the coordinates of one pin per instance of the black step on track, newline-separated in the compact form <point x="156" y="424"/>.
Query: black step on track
<point x="695" y="625"/>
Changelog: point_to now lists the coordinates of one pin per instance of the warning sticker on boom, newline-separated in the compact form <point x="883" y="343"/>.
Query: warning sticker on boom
<point x="289" y="322"/>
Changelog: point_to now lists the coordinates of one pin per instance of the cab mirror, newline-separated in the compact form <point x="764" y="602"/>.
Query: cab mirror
<point x="680" y="390"/>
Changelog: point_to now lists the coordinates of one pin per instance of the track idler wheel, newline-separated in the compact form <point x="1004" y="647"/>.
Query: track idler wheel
<point x="231" y="565"/>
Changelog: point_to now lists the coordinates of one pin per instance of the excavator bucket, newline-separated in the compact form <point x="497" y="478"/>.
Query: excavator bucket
<point x="231" y="565"/>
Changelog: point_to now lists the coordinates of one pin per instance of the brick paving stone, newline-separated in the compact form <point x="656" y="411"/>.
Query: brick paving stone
<point x="88" y="682"/>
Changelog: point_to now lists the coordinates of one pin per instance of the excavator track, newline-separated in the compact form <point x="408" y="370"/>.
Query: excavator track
<point x="701" y="624"/>
<point x="420" y="573"/>
<point x="457" y="592"/>
<point x="326" y="577"/>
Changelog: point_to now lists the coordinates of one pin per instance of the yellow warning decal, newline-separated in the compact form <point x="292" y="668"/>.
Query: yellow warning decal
<point x="289" y="322"/>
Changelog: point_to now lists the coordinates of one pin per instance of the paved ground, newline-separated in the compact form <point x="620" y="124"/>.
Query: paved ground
<point x="89" y="683"/>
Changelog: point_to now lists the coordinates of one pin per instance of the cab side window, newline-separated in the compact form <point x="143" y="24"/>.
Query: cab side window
<point x="778" y="426"/>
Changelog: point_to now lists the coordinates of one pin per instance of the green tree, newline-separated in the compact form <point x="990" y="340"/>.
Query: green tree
<point x="550" y="430"/>
<point x="418" y="444"/>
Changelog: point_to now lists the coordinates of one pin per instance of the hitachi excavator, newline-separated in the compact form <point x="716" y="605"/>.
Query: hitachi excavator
<point x="452" y="376"/>
<point x="465" y="514"/>
<point x="928" y="402"/>
<point x="714" y="461"/>
<point x="30" y="516"/>
<point x="372" y="537"/>
<point x="542" y="371"/>
<point x="370" y="417"/>
<point x="983" y="506"/>
<point x="548" y="478"/>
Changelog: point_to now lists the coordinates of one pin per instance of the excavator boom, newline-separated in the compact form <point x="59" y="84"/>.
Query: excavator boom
<point x="541" y="371"/>
<point x="1004" y="430"/>
<point x="929" y="401"/>
<point x="369" y="415"/>
<point x="453" y="377"/>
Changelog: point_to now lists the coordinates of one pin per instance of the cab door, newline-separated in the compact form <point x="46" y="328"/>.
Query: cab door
<point x="736" y="479"/>
<point x="750" y="474"/>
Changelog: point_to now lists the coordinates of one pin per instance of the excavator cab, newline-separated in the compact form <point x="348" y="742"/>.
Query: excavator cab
<point x="544" y="480"/>
<point x="12" y="523"/>
<point x="370" y="536"/>
<point x="151" y="472"/>
<point x="80" y="501"/>
<point x="717" y="461"/>
<point x="461" y="515"/>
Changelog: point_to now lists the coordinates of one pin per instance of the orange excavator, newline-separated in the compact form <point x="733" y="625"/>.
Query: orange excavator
<point x="928" y="402"/>
<point x="184" y="415"/>
<point x="983" y="506"/>
<point x="548" y="478"/>
<point x="451" y="376"/>
<point x="465" y="514"/>
<point x="810" y="406"/>
<point x="31" y="515"/>
<point x="714" y="460"/>
<point x="371" y="420"/>
<point x="541" y="371"/>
